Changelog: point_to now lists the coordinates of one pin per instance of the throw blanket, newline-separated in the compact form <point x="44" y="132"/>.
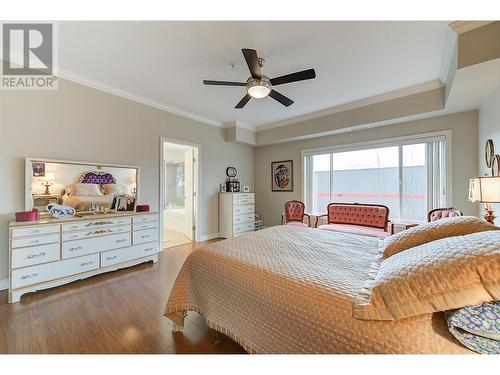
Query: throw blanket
<point x="477" y="327"/>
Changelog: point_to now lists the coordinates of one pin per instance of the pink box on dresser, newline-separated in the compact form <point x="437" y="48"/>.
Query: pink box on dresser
<point x="28" y="216"/>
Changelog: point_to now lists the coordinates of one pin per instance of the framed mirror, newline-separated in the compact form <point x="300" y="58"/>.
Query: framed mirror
<point x="489" y="153"/>
<point x="87" y="187"/>
<point x="495" y="165"/>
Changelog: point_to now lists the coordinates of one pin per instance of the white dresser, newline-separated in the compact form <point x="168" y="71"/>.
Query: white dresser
<point x="53" y="252"/>
<point x="236" y="214"/>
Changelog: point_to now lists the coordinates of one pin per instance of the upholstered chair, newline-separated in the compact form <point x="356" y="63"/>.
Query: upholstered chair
<point x="441" y="213"/>
<point x="294" y="214"/>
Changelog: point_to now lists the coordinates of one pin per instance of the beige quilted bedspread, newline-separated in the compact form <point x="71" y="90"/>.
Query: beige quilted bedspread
<point x="290" y="290"/>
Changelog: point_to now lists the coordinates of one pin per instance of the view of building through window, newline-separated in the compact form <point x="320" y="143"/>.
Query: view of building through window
<point x="395" y="176"/>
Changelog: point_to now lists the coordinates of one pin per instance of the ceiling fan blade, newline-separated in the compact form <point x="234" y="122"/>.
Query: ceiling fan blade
<point x="281" y="98"/>
<point x="294" y="77"/>
<point x="223" y="83"/>
<point x="243" y="101"/>
<point x="252" y="62"/>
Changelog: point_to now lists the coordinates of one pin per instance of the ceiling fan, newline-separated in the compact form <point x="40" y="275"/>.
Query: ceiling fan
<point x="259" y="85"/>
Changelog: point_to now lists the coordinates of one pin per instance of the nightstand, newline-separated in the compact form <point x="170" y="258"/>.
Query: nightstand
<point x="405" y="225"/>
<point x="40" y="201"/>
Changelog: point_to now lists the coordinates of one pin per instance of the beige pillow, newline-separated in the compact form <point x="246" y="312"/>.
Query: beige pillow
<point x="441" y="275"/>
<point x="115" y="189"/>
<point x="84" y="190"/>
<point x="435" y="230"/>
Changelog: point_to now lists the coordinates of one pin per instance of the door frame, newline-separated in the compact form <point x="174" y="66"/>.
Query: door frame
<point x="196" y="188"/>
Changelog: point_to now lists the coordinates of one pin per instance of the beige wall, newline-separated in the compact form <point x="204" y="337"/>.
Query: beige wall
<point x="489" y="128"/>
<point x="464" y="158"/>
<point x="79" y="123"/>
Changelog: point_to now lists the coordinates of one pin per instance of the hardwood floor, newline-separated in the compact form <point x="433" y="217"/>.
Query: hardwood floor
<point x="117" y="312"/>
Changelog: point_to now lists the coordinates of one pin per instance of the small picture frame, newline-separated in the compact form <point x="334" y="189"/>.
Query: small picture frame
<point x="38" y="168"/>
<point x="246" y="189"/>
<point x="222" y="188"/>
<point x="282" y="175"/>
<point x="123" y="203"/>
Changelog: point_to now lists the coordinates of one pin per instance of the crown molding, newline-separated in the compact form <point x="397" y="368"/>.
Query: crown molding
<point x="461" y="27"/>
<point x="69" y="76"/>
<point x="417" y="89"/>
<point x="239" y="124"/>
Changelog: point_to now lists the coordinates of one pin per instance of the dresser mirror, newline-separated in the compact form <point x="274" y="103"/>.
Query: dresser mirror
<point x="87" y="187"/>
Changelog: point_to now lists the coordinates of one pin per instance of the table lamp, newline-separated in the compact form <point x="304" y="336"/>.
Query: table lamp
<point x="47" y="181"/>
<point x="485" y="190"/>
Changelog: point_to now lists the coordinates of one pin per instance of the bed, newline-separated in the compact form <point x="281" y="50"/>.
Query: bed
<point x="289" y="289"/>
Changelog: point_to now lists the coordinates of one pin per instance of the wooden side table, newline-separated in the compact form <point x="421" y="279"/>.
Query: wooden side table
<point x="404" y="225"/>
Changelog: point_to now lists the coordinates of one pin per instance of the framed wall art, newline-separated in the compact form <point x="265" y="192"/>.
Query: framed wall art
<point x="282" y="175"/>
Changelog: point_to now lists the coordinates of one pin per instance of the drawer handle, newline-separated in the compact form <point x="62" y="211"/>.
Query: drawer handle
<point x="119" y="241"/>
<point x="86" y="263"/>
<point x="74" y="236"/>
<point x="32" y="256"/>
<point x="99" y="223"/>
<point x="99" y="231"/>
<point x="148" y="249"/>
<point x="145" y="236"/>
<point x="36" y="231"/>
<point x="75" y="248"/>
<point x="111" y="258"/>
<point x="24" y="277"/>
<point x="34" y="241"/>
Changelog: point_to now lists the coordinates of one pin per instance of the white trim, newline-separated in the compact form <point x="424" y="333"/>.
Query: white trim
<point x="4" y="284"/>
<point x="69" y="76"/>
<point x="197" y="188"/>
<point x="417" y="89"/>
<point x="383" y="142"/>
<point x="208" y="237"/>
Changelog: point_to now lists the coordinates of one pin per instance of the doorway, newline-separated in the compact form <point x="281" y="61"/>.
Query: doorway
<point x="179" y="186"/>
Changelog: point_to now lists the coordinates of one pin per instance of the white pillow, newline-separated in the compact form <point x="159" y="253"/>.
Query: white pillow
<point x="85" y="190"/>
<point x="115" y="189"/>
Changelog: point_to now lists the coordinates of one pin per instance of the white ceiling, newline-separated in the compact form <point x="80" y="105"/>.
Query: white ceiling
<point x="165" y="62"/>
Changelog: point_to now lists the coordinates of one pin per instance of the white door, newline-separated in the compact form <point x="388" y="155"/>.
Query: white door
<point x="188" y="193"/>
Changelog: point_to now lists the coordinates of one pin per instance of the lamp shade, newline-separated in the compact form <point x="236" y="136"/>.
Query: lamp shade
<point x="485" y="189"/>
<point x="49" y="177"/>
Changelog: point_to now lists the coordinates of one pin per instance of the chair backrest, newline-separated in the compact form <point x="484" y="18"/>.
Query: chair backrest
<point x="367" y="215"/>
<point x="441" y="213"/>
<point x="294" y="210"/>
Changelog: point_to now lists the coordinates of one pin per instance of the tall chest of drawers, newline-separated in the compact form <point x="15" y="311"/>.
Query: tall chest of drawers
<point x="54" y="252"/>
<point x="236" y="214"/>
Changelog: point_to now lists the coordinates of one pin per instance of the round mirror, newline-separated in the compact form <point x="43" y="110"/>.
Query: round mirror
<point x="231" y="172"/>
<point x="489" y="153"/>
<point x="495" y="165"/>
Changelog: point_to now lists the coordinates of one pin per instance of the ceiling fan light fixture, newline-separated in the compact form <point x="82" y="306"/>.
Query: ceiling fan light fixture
<point x="259" y="88"/>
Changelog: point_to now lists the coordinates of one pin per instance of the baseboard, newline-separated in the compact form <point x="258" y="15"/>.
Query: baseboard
<point x="208" y="237"/>
<point x="4" y="284"/>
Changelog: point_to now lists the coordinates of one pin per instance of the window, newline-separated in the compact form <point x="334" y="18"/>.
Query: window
<point x="406" y="176"/>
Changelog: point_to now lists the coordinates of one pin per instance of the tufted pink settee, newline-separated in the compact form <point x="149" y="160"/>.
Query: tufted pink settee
<point x="294" y="214"/>
<point x="364" y="219"/>
<point x="442" y="213"/>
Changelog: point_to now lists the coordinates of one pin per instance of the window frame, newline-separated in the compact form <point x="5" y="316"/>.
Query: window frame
<point x="434" y="199"/>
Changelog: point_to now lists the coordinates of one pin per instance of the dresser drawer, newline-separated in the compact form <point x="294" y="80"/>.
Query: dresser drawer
<point x="97" y="223"/>
<point x="34" y="231"/>
<point x="240" y="219"/>
<point x="242" y="228"/>
<point x="94" y="232"/>
<point x="29" y="256"/>
<point x="122" y="255"/>
<point x="146" y="225"/>
<point x="142" y="236"/>
<point x="51" y="271"/>
<point x="243" y="196"/>
<point x="35" y="241"/>
<point x="241" y="201"/>
<point x="77" y="248"/>
<point x="143" y="218"/>
<point x="240" y="210"/>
